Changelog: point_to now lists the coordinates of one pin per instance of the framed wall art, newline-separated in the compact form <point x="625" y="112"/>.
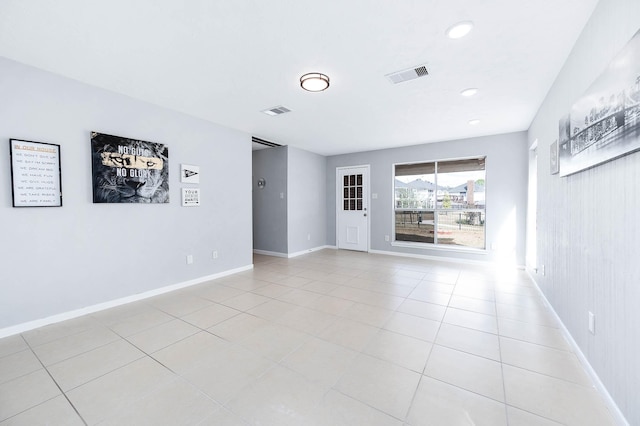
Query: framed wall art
<point x="128" y="170"/>
<point x="604" y="123"/>
<point x="190" y="197"/>
<point x="189" y="173"/>
<point x="554" y="165"/>
<point x="36" y="174"/>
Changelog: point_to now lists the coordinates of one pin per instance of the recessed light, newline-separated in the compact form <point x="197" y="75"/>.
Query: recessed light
<point x="469" y="92"/>
<point x="314" y="82"/>
<point x="474" y="122"/>
<point x="459" y="30"/>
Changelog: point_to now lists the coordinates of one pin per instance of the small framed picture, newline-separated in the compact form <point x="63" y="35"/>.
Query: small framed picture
<point x="36" y="174"/>
<point x="190" y="197"/>
<point x="189" y="173"/>
<point x="553" y="158"/>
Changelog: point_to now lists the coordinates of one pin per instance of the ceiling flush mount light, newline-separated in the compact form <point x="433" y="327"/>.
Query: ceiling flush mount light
<point x="314" y="82"/>
<point x="474" y="122"/>
<point x="459" y="30"/>
<point x="469" y="92"/>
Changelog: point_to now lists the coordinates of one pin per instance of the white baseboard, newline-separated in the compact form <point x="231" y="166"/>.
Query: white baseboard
<point x="444" y="259"/>
<point x="600" y="387"/>
<point x="290" y="255"/>
<point x="21" y="328"/>
<point x="311" y="250"/>
<point x="270" y="253"/>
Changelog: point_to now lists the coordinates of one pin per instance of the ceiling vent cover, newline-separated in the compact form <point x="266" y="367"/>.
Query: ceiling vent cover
<point x="276" y="110"/>
<point x="409" y="74"/>
<point x="264" y="142"/>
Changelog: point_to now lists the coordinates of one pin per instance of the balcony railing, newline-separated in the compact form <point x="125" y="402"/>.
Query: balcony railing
<point x="452" y="227"/>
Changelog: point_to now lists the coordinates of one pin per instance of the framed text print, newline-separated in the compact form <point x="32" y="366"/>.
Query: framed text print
<point x="36" y="176"/>
<point x="190" y="197"/>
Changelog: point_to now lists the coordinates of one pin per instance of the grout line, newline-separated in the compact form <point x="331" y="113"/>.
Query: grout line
<point x="435" y="338"/>
<point x="504" y="385"/>
<point x="368" y="284"/>
<point x="56" y="383"/>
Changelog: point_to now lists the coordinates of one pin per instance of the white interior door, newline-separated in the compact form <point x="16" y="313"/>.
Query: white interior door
<point x="352" y="203"/>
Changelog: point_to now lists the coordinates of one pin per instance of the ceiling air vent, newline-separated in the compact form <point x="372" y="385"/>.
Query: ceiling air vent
<point x="264" y="142"/>
<point x="276" y="110"/>
<point x="406" y="75"/>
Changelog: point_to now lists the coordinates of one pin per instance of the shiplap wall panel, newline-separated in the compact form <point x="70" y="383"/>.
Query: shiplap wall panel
<point x="588" y="224"/>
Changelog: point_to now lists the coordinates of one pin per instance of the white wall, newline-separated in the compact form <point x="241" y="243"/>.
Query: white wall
<point x="269" y="209"/>
<point x="307" y="183"/>
<point x="588" y="234"/>
<point x="506" y="173"/>
<point x="56" y="260"/>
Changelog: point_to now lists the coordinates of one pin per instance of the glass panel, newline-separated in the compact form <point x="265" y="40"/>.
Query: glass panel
<point x="352" y="180"/>
<point x="416" y="226"/>
<point x="359" y="204"/>
<point x="452" y="190"/>
<point x="359" y="180"/>
<point x="346" y="193"/>
<point x="346" y="181"/>
<point x="461" y="189"/>
<point x="346" y="205"/>
<point x="415" y="191"/>
<point x="461" y="228"/>
<point x="352" y="193"/>
<point x="352" y="204"/>
<point x="359" y="193"/>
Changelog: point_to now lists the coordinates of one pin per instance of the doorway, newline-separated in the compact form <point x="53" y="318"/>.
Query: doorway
<point x="532" y="208"/>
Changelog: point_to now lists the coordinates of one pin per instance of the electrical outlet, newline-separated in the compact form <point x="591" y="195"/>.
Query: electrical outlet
<point x="215" y="254"/>
<point x="308" y="237"/>
<point x="282" y="195"/>
<point x="189" y="259"/>
<point x="592" y="323"/>
<point x="386" y="238"/>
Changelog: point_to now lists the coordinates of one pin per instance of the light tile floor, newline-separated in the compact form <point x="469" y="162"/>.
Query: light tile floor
<point x="329" y="338"/>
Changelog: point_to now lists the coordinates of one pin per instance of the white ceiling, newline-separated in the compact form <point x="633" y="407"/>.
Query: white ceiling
<point x="227" y="60"/>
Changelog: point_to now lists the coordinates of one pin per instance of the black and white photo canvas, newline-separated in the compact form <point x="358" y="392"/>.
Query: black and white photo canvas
<point x="604" y="123"/>
<point x="129" y="170"/>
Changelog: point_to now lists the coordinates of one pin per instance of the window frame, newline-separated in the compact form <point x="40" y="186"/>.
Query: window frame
<point x="434" y="245"/>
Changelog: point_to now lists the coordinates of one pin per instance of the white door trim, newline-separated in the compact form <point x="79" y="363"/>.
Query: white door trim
<point x="338" y="195"/>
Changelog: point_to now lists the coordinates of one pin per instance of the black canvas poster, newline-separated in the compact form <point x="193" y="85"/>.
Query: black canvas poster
<point x="129" y="170"/>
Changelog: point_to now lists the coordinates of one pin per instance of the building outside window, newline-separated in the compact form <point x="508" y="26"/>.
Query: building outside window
<point x="441" y="202"/>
